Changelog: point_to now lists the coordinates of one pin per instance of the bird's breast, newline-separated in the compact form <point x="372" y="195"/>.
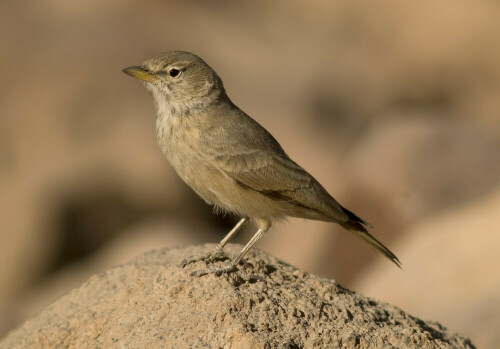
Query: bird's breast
<point x="179" y="140"/>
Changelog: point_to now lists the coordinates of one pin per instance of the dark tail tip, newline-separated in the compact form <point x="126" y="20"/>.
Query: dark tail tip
<point x="358" y="227"/>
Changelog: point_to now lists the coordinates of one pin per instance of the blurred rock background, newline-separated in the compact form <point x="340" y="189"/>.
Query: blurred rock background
<point x="393" y="106"/>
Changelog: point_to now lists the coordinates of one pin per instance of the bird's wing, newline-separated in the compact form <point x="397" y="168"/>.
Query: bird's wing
<point x="264" y="172"/>
<point x="277" y="176"/>
<point x="250" y="155"/>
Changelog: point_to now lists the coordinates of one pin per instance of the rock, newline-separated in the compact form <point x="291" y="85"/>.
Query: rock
<point x="450" y="267"/>
<point x="151" y="302"/>
<point x="143" y="237"/>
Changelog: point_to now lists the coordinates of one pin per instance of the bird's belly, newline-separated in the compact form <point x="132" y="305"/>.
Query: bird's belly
<point x="211" y="184"/>
<point x="222" y="191"/>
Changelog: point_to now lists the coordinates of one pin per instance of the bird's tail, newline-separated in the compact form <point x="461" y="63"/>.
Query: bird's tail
<point x="358" y="226"/>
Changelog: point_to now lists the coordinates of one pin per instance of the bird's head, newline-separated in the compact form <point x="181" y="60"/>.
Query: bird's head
<point x="180" y="79"/>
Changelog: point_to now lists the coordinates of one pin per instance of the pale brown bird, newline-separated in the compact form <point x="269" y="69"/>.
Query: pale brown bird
<point x="228" y="158"/>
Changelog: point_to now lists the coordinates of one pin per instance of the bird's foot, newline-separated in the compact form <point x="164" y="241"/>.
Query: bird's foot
<point x="216" y="271"/>
<point x="214" y="255"/>
<point x="232" y="269"/>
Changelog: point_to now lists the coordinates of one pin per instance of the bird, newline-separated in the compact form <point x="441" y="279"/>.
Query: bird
<point x="230" y="160"/>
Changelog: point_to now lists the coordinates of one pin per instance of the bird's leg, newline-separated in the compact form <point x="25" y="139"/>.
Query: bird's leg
<point x="232" y="265"/>
<point x="218" y="250"/>
<point x="230" y="235"/>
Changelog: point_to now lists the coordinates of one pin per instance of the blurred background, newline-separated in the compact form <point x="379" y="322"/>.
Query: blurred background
<point x="394" y="107"/>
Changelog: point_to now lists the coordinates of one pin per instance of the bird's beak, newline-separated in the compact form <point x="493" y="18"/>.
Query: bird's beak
<point x="140" y="73"/>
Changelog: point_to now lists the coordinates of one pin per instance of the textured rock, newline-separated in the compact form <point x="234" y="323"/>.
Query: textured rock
<point x="152" y="303"/>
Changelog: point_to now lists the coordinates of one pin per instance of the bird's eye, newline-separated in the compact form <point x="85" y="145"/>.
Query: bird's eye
<point x="175" y="73"/>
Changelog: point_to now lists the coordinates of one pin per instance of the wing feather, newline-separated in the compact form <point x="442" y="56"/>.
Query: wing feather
<point x="250" y="155"/>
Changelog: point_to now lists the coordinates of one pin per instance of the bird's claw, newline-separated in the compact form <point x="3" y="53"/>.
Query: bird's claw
<point x="213" y="255"/>
<point x="216" y="271"/>
<point x="230" y="269"/>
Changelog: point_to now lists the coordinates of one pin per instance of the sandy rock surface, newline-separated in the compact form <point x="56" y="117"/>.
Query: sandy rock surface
<point x="152" y="303"/>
